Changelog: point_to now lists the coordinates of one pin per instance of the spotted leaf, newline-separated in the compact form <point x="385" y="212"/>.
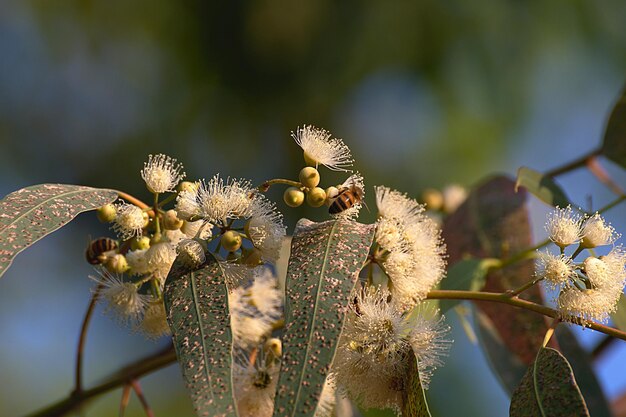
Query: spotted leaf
<point x="414" y="400"/>
<point x="31" y="213"/>
<point x="324" y="266"/>
<point x="548" y="389"/>
<point x="196" y="303"/>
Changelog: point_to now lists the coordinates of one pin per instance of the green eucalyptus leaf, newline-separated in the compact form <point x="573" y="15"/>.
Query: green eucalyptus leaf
<point x="414" y="398"/>
<point x="542" y="187"/>
<point x="324" y="266"/>
<point x="468" y="274"/>
<point x="31" y="213"/>
<point x="507" y="366"/>
<point x="614" y="144"/>
<point x="619" y="317"/>
<point x="548" y="389"/>
<point x="581" y="364"/>
<point x="196" y="303"/>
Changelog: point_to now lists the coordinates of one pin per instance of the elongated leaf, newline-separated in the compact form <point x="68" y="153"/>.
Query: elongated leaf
<point x="580" y="362"/>
<point x="548" y="389"/>
<point x="414" y="399"/>
<point x="614" y="144"/>
<point x="468" y="274"/>
<point x="325" y="262"/>
<point x="493" y="223"/>
<point x="542" y="187"/>
<point x="619" y="317"/>
<point x="508" y="367"/>
<point x="31" y="213"/>
<point x="196" y="303"/>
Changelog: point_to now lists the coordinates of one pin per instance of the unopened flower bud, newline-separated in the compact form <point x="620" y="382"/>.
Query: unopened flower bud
<point x="453" y="196"/>
<point x="596" y="232"/>
<point x="140" y="243"/>
<point x="433" y="199"/>
<point x="146" y="219"/>
<point x="231" y="241"/>
<point x="275" y="347"/>
<point x="106" y="213"/>
<point x="293" y="197"/>
<point x="191" y="253"/>
<point x="188" y="186"/>
<point x="171" y="221"/>
<point x="116" y="264"/>
<point x="316" y="197"/>
<point x="331" y="193"/>
<point x="309" y="177"/>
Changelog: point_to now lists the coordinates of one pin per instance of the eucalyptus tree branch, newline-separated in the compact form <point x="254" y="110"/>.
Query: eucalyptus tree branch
<point x="576" y="163"/>
<point x="505" y="298"/>
<point x="82" y="338"/>
<point x="115" y="380"/>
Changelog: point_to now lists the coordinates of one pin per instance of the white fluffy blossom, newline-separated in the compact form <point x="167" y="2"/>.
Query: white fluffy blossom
<point x="138" y="262"/>
<point x="220" y="201"/>
<point x="160" y="257"/>
<point x="327" y="401"/>
<point x="372" y="356"/>
<point x="255" y="381"/>
<point x="248" y="325"/>
<point x="596" y="232"/>
<point x="187" y="206"/>
<point x="129" y="220"/>
<point x="556" y="270"/>
<point x="154" y="323"/>
<point x="320" y="148"/>
<point x="564" y="226"/>
<point x="265" y="295"/>
<point x="122" y="298"/>
<point x="265" y="229"/>
<point x="162" y="173"/>
<point x="415" y="252"/>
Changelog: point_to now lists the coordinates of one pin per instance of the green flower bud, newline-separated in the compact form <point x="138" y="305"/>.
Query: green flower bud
<point x="293" y="197"/>
<point x="146" y="219"/>
<point x="231" y="241"/>
<point x="117" y="264"/>
<point x="140" y="243"/>
<point x="171" y="221"/>
<point x="316" y="197"/>
<point x="106" y="213"/>
<point x="309" y="177"/>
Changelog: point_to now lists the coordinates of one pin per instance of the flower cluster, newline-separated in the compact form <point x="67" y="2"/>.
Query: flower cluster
<point x="412" y="252"/>
<point x="372" y="357"/>
<point x="588" y="290"/>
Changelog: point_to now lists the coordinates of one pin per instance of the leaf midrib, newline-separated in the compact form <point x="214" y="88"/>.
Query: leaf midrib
<point x="201" y="329"/>
<point x="319" y="284"/>
<point x="535" y="385"/>
<point x="21" y="216"/>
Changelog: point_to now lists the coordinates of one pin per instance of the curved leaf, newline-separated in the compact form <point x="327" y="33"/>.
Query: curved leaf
<point x="542" y="187"/>
<point x="414" y="399"/>
<point x="31" y="213"/>
<point x="614" y="144"/>
<point x="619" y="317"/>
<point x="197" y="313"/>
<point x="580" y="362"/>
<point x="325" y="262"/>
<point x="548" y="389"/>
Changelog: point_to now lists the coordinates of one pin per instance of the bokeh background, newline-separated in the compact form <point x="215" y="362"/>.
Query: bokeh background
<point x="425" y="93"/>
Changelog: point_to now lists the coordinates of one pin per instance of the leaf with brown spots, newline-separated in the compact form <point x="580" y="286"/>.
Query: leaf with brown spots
<point x="493" y="223"/>
<point x="548" y="389"/>
<point x="31" y="213"/>
<point x="414" y="399"/>
<point x="196" y="303"/>
<point x="324" y="266"/>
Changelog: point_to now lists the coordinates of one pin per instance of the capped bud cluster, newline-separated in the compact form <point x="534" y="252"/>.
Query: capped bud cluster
<point x="413" y="254"/>
<point x="588" y="290"/>
<point x="371" y="362"/>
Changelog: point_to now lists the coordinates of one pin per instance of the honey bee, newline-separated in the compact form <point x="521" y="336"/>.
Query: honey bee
<point x="97" y="249"/>
<point x="350" y="194"/>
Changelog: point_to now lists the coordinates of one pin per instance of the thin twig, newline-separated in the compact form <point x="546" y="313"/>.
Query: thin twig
<point x="577" y="163"/>
<point x="518" y="302"/>
<point x="125" y="399"/>
<point x="116" y="379"/>
<point x="78" y="378"/>
<point x="267" y="184"/>
<point x="137" y="202"/>
<point x="142" y="398"/>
